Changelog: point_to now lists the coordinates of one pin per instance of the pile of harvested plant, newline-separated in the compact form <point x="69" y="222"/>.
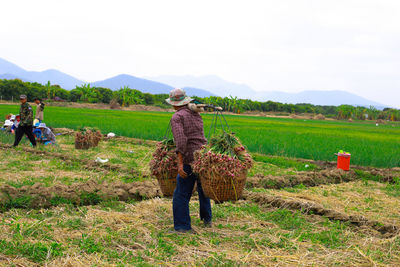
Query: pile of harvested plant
<point x="222" y="166"/>
<point x="164" y="166"/>
<point x="86" y="138"/>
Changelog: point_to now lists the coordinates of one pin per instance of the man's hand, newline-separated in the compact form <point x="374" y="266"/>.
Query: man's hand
<point x="181" y="172"/>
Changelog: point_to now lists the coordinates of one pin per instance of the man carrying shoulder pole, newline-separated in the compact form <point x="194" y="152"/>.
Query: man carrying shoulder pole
<point x="188" y="132"/>
<point x="25" y="125"/>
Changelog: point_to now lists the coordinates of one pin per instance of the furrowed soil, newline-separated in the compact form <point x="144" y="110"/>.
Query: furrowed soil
<point x="59" y="207"/>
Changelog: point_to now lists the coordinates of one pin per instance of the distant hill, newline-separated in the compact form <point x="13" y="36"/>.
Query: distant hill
<point x="190" y="91"/>
<point x="9" y="70"/>
<point x="331" y="98"/>
<point x="10" y="77"/>
<point x="211" y="83"/>
<point x="146" y="86"/>
<point x="54" y="76"/>
<point x="221" y="87"/>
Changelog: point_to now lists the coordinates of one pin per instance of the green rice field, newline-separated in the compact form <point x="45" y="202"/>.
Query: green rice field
<point x="370" y="145"/>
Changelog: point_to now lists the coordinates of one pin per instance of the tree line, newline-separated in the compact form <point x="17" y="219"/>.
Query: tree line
<point x="11" y="89"/>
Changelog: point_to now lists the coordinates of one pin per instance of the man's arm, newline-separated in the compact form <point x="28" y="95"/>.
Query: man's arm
<point x="179" y="134"/>
<point x="51" y="135"/>
<point x="180" y="142"/>
<point x="181" y="172"/>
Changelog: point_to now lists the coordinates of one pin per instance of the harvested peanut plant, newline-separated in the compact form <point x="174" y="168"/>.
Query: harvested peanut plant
<point x="164" y="162"/>
<point x="224" y="156"/>
<point x="87" y="137"/>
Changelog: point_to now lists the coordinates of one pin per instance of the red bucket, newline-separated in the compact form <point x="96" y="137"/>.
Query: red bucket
<point x="343" y="161"/>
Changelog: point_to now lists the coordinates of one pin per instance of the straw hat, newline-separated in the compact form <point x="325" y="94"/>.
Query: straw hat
<point x="178" y="97"/>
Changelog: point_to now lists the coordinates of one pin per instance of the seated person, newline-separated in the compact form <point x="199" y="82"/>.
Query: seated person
<point x="15" y="119"/>
<point x="44" y="134"/>
<point x="8" y="123"/>
<point x="7" y="126"/>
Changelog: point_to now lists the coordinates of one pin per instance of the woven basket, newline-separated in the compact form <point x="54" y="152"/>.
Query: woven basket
<point x="167" y="185"/>
<point x="81" y="145"/>
<point x="222" y="189"/>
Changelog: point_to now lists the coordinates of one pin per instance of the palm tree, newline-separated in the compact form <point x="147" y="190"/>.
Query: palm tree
<point x="372" y="113"/>
<point x="48" y="88"/>
<point x="345" y="111"/>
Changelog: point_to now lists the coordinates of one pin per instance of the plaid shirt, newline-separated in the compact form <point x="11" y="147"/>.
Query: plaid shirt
<point x="187" y="128"/>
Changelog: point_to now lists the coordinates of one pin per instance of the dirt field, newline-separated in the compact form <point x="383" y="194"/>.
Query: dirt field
<point x="61" y="208"/>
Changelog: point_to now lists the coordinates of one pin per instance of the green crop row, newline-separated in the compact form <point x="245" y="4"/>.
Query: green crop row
<point x="369" y="144"/>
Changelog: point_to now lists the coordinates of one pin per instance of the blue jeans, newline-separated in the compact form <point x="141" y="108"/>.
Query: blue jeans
<point x="181" y="198"/>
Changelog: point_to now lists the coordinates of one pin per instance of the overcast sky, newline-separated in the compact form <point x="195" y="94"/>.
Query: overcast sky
<point x="285" y="45"/>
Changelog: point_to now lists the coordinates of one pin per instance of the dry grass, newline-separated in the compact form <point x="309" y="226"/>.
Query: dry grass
<point x="140" y="232"/>
<point x="115" y="233"/>
<point x="354" y="198"/>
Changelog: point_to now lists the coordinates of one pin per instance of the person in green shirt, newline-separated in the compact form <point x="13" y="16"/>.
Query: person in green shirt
<point x="25" y="125"/>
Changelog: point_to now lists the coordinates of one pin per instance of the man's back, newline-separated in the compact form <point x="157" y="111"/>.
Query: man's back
<point x="187" y="127"/>
<point x="26" y="114"/>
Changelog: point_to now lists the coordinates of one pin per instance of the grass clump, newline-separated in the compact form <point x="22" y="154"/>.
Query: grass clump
<point x="113" y="205"/>
<point x="89" y="198"/>
<point x="394" y="188"/>
<point x="89" y="245"/>
<point x="73" y="223"/>
<point x="219" y="259"/>
<point x="58" y="200"/>
<point x="37" y="252"/>
<point x="8" y="138"/>
<point x="366" y="176"/>
<point x="295" y="189"/>
<point x="22" y="202"/>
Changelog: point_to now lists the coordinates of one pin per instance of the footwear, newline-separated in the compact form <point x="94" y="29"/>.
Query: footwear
<point x="208" y="224"/>
<point x="182" y="231"/>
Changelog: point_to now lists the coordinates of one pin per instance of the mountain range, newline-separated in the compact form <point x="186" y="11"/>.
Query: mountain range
<point x="145" y="85"/>
<point x="9" y="70"/>
<point x="221" y="87"/>
<point x="201" y="86"/>
<point x="211" y="83"/>
<point x="54" y="76"/>
<point x="329" y="98"/>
